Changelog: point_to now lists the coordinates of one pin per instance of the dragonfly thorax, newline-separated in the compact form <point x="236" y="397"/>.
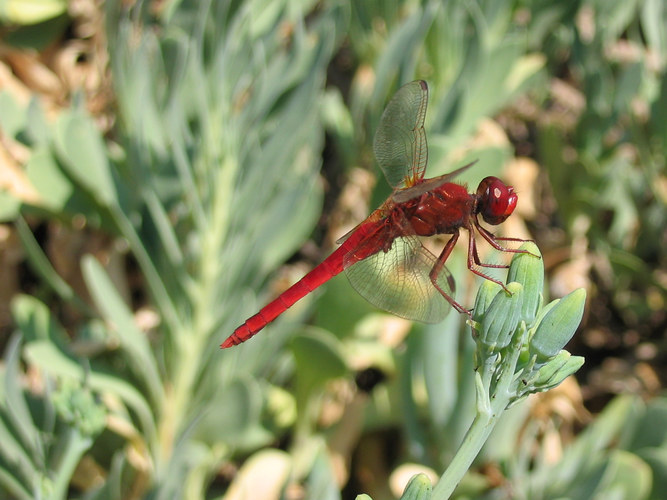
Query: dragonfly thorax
<point x="444" y="210"/>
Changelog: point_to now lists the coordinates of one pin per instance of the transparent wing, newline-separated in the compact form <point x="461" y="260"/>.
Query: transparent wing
<point x="398" y="281"/>
<point x="400" y="141"/>
<point x="403" y="195"/>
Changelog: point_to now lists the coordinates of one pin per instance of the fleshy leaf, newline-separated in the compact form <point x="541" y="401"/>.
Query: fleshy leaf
<point x="556" y="370"/>
<point x="419" y="488"/>
<point x="558" y="325"/>
<point x="485" y="295"/>
<point x="502" y="317"/>
<point x="529" y="271"/>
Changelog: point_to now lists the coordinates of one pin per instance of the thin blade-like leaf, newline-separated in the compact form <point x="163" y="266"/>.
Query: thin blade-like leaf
<point x="132" y="339"/>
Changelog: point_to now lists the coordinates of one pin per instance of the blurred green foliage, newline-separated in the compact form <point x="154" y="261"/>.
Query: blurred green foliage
<point x="210" y="180"/>
<point x="605" y="153"/>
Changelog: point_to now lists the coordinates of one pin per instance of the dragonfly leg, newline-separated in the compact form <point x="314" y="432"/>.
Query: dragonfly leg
<point x="473" y="260"/>
<point x="493" y="240"/>
<point x="436" y="270"/>
<point x="479" y="262"/>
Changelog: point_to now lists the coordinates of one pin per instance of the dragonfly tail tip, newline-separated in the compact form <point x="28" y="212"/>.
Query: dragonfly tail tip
<point x="230" y="342"/>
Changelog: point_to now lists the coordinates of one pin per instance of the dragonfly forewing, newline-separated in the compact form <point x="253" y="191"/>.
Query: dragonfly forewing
<point x="400" y="141"/>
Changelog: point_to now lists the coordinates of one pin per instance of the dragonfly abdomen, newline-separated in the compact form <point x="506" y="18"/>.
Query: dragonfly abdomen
<point x="327" y="269"/>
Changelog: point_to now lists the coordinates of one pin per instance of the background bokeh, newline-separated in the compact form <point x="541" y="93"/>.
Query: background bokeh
<point x="166" y="167"/>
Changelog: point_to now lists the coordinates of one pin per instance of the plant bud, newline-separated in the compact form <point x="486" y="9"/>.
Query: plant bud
<point x="502" y="317"/>
<point x="558" y="325"/>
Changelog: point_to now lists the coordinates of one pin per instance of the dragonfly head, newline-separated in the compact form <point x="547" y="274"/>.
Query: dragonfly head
<point x="495" y="200"/>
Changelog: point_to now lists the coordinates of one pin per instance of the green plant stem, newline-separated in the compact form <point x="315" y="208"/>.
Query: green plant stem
<point x="178" y="398"/>
<point x="76" y="446"/>
<point x="493" y="390"/>
<point x="477" y="434"/>
<point x="191" y="341"/>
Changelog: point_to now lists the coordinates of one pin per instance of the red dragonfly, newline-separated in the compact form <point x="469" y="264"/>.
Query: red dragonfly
<point x="383" y="256"/>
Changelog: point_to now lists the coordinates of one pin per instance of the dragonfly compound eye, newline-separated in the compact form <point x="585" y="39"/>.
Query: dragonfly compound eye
<point x="497" y="200"/>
